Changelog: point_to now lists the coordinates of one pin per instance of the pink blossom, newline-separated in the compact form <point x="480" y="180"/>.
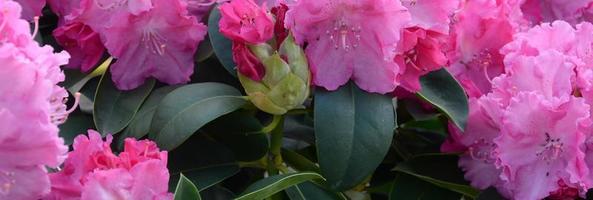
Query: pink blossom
<point x="245" y="21"/>
<point x="31" y="108"/>
<point x="350" y="40"/>
<point x="199" y="8"/>
<point x="158" y="43"/>
<point x="31" y="8"/>
<point x="541" y="144"/>
<point x="482" y="27"/>
<point x="93" y="171"/>
<point x="433" y="15"/>
<point x="573" y="11"/>
<point x="476" y="141"/>
<point x="82" y="42"/>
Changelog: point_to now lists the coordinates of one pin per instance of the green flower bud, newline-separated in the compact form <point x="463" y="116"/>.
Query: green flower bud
<point x="286" y="83"/>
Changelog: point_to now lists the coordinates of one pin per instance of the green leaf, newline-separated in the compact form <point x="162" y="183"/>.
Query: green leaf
<point x="186" y="190"/>
<point x="409" y="187"/>
<point x="222" y="46"/>
<point x="204" y="50"/>
<point x="310" y="190"/>
<point x="273" y="184"/>
<point x="188" y="108"/>
<point x="202" y="160"/>
<point x="140" y="125"/>
<point x="440" y="170"/>
<point x="298" y="161"/>
<point x="77" y="123"/>
<point x="354" y="130"/>
<point x="75" y="80"/>
<point x="113" y="108"/>
<point x="241" y="132"/>
<point x="444" y="92"/>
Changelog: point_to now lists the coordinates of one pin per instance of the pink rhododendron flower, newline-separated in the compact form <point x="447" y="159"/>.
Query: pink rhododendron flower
<point x="482" y="27"/>
<point x="157" y="43"/>
<point x="350" y="40"/>
<point x="92" y="171"/>
<point x="31" y="108"/>
<point x="82" y="43"/>
<point x="245" y="21"/>
<point x="573" y="11"/>
<point x="31" y="8"/>
<point x="199" y="8"/>
<point x="423" y="41"/>
<point x="540" y="145"/>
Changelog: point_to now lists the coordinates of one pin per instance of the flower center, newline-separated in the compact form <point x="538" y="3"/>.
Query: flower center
<point x="551" y="149"/>
<point x="343" y="35"/>
<point x="411" y="57"/>
<point x="483" y="60"/>
<point x="6" y="182"/>
<point x="482" y="150"/>
<point x="154" y="41"/>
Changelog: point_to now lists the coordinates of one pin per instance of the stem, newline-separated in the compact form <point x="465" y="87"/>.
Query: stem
<point x="273" y="125"/>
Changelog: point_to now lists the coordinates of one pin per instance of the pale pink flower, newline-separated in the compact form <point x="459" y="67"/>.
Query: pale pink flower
<point x="573" y="11"/>
<point x="350" y="39"/>
<point x="246" y="22"/>
<point x="31" y="108"/>
<point x="93" y="171"/>
<point x="541" y="144"/>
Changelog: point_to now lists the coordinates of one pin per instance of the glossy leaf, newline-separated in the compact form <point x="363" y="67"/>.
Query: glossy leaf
<point x="188" y="108"/>
<point x="113" y="108"/>
<point x="186" y="190"/>
<point x="440" y="170"/>
<point x="273" y="184"/>
<point x="310" y="190"/>
<point x="140" y="125"/>
<point x="222" y="46"/>
<point x="241" y="132"/>
<point x="353" y="131"/>
<point x="444" y="92"/>
<point x="77" y="123"/>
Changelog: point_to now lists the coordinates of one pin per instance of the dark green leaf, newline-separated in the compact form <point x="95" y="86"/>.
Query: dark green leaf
<point x="273" y="184"/>
<point x="204" y="50"/>
<point x="113" y="108"/>
<point x="186" y="190"/>
<point x="444" y="92"/>
<point x="310" y="190"/>
<point x="188" y="108"/>
<point x="354" y="130"/>
<point x="222" y="46"/>
<point x="241" y="132"/>
<point x="203" y="160"/>
<point x="217" y="193"/>
<point x="77" y="123"/>
<point x="440" y="170"/>
<point x="140" y="125"/>
<point x="298" y="161"/>
<point x="407" y="187"/>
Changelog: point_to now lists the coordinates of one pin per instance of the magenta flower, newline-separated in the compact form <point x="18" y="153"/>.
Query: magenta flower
<point x="573" y="12"/>
<point x="31" y="108"/>
<point x="541" y="145"/>
<point x="31" y="8"/>
<point x="158" y="43"/>
<point x="245" y="21"/>
<point x="82" y="43"/>
<point x="92" y="171"/>
<point x="350" y="39"/>
<point x="247" y="64"/>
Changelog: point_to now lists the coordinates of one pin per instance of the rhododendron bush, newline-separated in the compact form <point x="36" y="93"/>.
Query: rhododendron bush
<point x="296" y="99"/>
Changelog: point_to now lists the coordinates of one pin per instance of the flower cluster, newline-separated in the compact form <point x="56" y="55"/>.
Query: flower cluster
<point x="155" y="38"/>
<point x="529" y="127"/>
<point x="93" y="171"/>
<point x="32" y="106"/>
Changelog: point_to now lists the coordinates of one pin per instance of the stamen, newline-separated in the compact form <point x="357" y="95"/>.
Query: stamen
<point x="36" y="22"/>
<point x="60" y="115"/>
<point x="110" y="6"/>
<point x="154" y="41"/>
<point x="7" y="181"/>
